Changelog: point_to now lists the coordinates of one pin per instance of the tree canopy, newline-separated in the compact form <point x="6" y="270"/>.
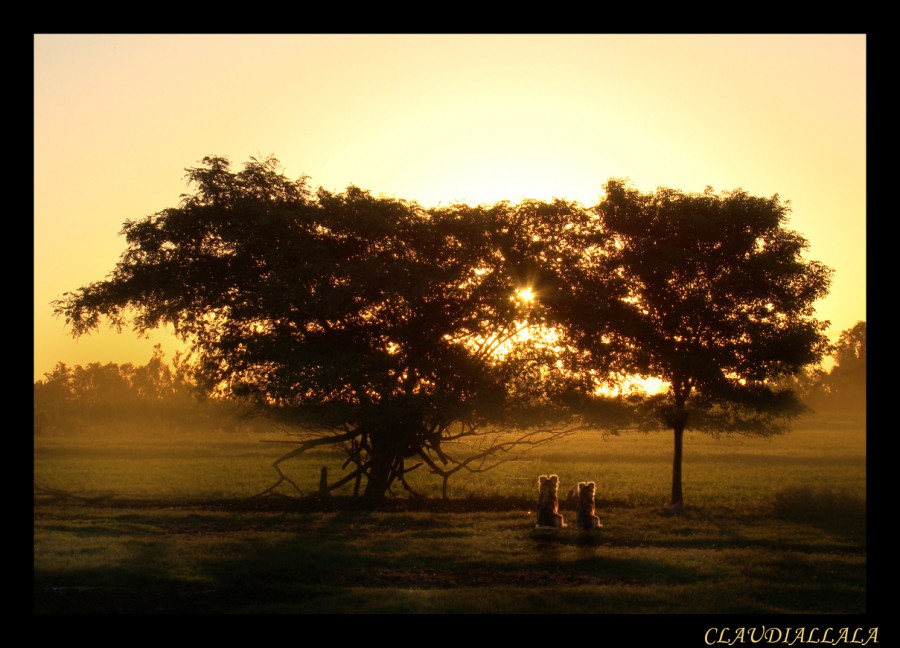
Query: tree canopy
<point x="370" y="319"/>
<point x="709" y="293"/>
<point x="389" y="330"/>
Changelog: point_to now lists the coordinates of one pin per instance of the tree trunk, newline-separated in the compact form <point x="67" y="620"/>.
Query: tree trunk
<point x="678" y="420"/>
<point x="677" y="495"/>
<point x="377" y="482"/>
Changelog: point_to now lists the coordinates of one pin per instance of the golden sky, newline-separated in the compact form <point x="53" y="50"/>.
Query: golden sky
<point x="439" y="118"/>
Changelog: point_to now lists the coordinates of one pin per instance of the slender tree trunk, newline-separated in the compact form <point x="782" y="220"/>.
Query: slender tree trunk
<point x="679" y="422"/>
<point x="677" y="495"/>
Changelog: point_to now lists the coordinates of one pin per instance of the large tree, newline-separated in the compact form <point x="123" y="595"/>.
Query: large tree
<point x="707" y="292"/>
<point x="384" y="328"/>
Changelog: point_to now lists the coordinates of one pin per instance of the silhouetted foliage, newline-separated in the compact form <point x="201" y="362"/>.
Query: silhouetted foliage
<point x="707" y="292"/>
<point x="74" y="397"/>
<point x="842" y="390"/>
<point x="386" y="329"/>
<point x="392" y="331"/>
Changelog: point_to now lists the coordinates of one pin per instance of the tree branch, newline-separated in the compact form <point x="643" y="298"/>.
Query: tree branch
<point x="304" y="446"/>
<point x="477" y="462"/>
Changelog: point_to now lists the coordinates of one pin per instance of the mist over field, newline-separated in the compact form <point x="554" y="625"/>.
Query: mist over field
<point x="143" y="430"/>
<point x="146" y="502"/>
<point x="113" y="434"/>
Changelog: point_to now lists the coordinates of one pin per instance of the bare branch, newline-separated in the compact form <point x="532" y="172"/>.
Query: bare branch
<point x="57" y="492"/>
<point x="487" y="459"/>
<point x="312" y="443"/>
<point x="281" y="478"/>
<point x="398" y="473"/>
<point x="491" y="344"/>
<point x="346" y="478"/>
<point x="304" y="446"/>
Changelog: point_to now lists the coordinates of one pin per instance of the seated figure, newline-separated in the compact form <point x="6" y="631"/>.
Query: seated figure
<point x="585" y="517"/>
<point x="548" y="502"/>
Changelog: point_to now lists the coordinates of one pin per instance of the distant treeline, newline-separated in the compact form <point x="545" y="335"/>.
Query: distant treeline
<point x="159" y="394"/>
<point x="155" y="394"/>
<point x="841" y="391"/>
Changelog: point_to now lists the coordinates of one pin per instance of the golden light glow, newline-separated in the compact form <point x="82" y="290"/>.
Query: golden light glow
<point x="634" y="384"/>
<point x="525" y="295"/>
<point x="439" y="119"/>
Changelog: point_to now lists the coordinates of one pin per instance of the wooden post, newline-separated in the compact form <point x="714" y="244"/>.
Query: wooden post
<point x="323" y="482"/>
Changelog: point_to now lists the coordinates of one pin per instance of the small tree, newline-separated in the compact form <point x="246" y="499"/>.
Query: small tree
<point x="378" y="325"/>
<point x="707" y="292"/>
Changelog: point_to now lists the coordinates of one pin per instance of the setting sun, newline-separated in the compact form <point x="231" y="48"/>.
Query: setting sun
<point x="525" y="294"/>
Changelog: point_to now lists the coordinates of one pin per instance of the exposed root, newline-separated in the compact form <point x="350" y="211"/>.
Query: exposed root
<point x="281" y="478"/>
<point x="43" y="489"/>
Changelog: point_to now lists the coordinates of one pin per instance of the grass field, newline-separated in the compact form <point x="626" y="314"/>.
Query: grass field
<point x="772" y="526"/>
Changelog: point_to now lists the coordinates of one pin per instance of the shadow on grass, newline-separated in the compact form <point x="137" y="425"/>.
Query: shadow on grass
<point x="347" y="552"/>
<point x="212" y="560"/>
<point x="547" y="538"/>
<point x="836" y="512"/>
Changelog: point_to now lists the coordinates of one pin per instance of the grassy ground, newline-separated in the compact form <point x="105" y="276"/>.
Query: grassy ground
<point x="772" y="526"/>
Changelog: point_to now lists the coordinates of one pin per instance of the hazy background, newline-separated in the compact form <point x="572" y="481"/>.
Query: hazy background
<point x="439" y="118"/>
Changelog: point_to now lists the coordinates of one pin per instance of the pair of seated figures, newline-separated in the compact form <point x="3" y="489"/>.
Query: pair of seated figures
<point x="548" y="514"/>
